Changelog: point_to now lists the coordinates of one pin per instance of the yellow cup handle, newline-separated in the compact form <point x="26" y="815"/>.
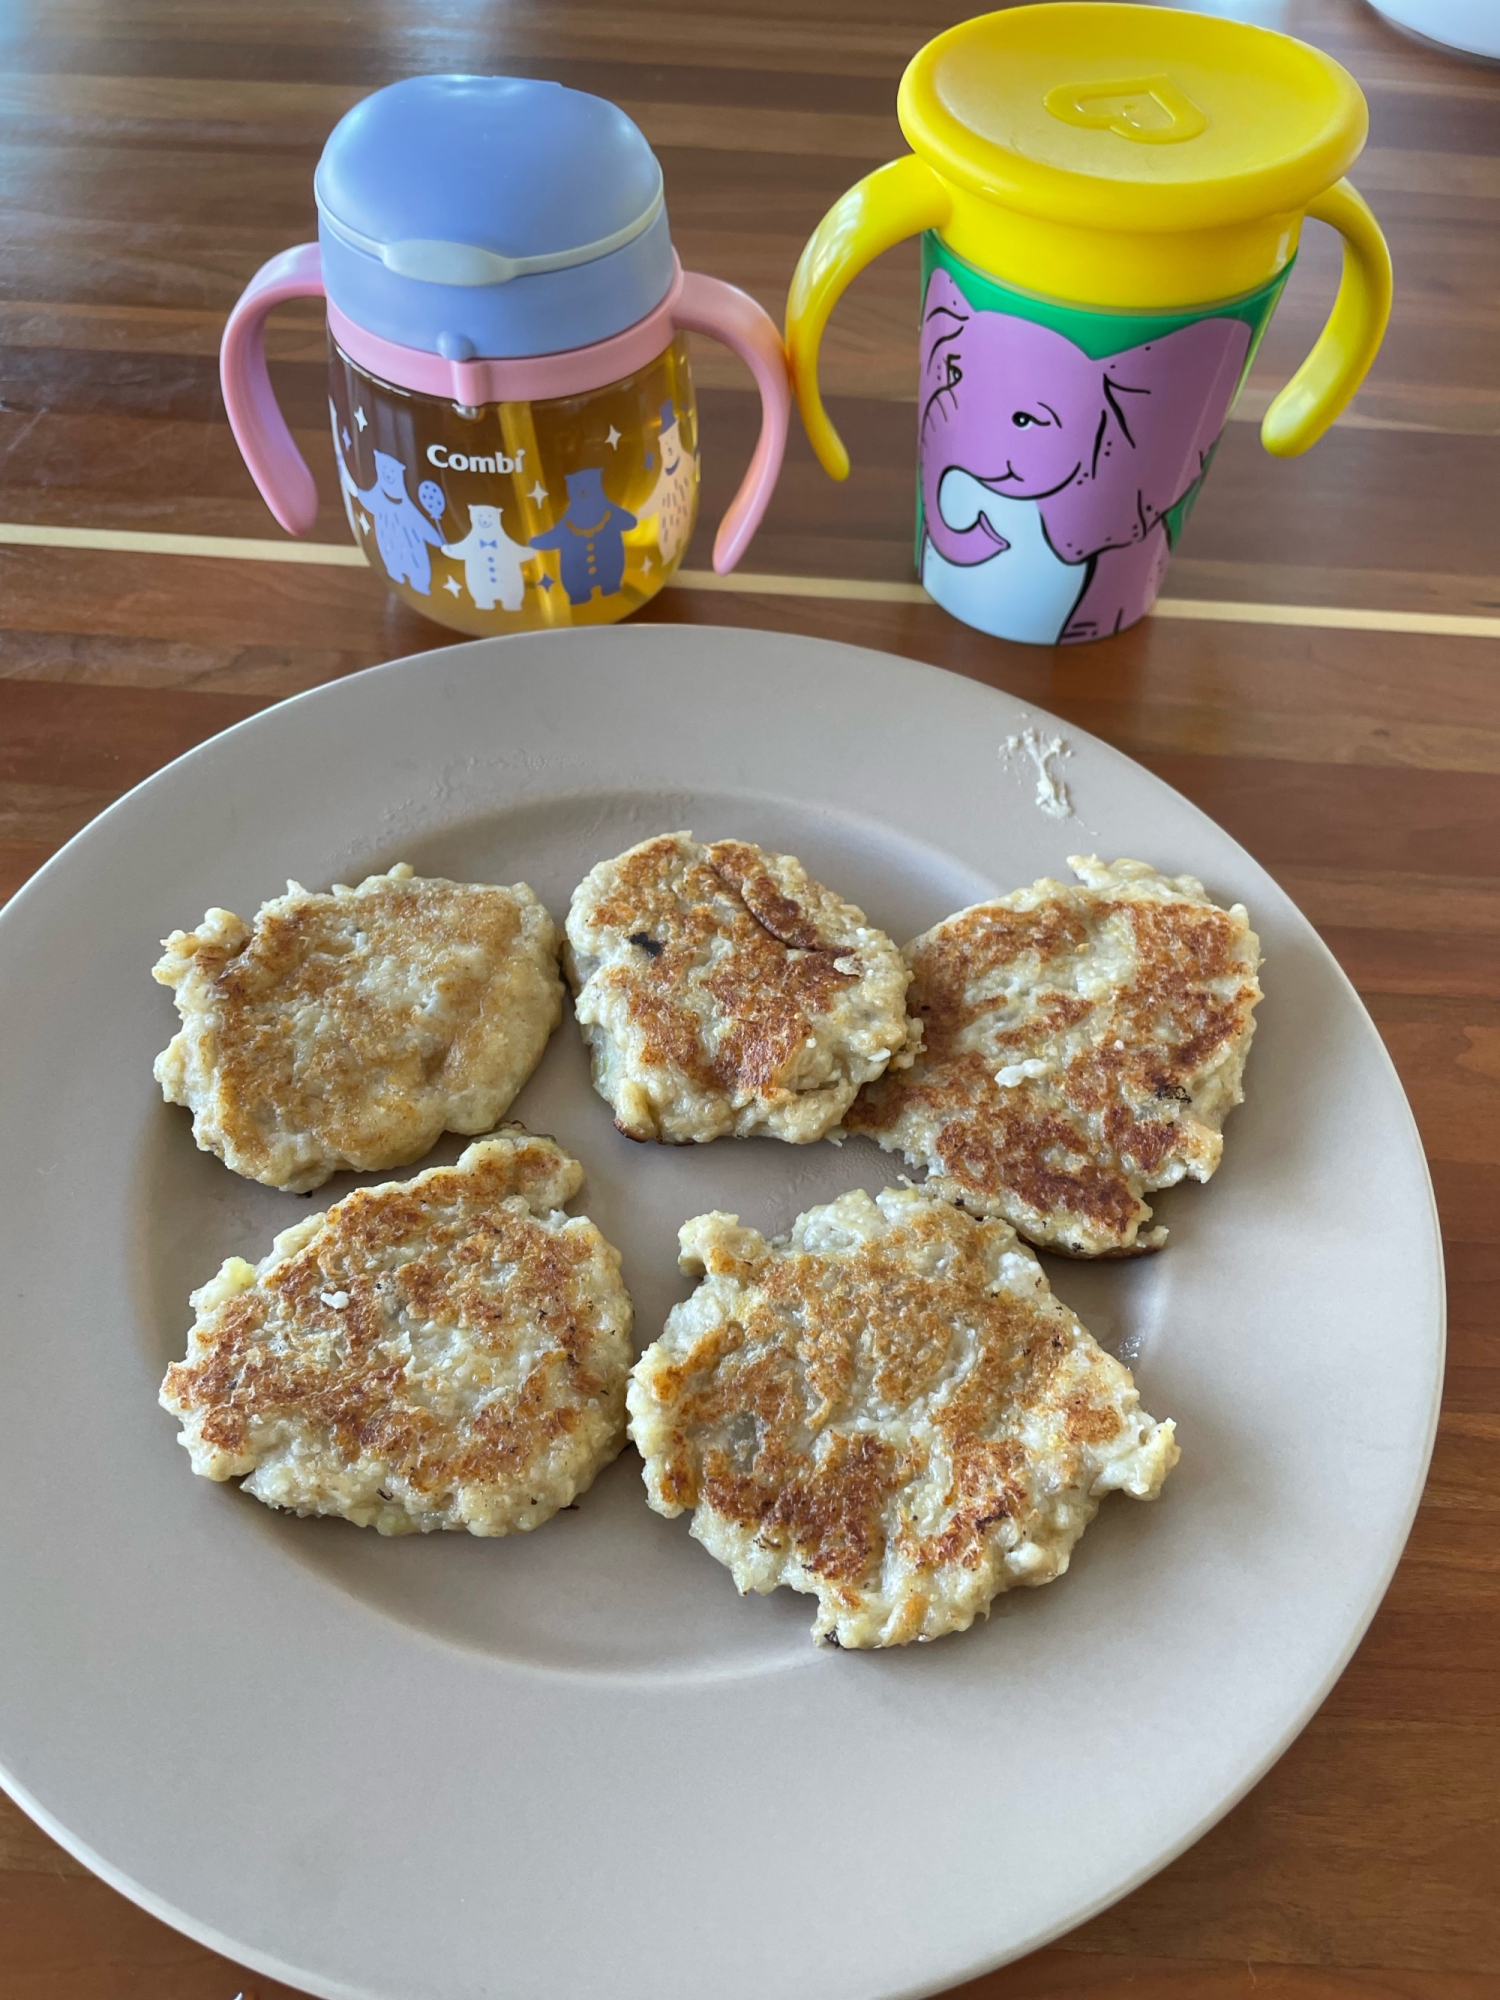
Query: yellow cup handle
<point x="1328" y="378"/>
<point x="894" y="202"/>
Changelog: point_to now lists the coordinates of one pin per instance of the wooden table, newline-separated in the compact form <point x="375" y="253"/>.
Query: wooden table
<point x="1327" y="685"/>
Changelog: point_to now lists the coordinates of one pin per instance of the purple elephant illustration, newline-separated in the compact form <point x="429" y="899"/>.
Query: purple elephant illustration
<point x="1046" y="476"/>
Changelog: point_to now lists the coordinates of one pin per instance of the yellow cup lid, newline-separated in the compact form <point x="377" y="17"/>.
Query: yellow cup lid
<point x="1139" y="118"/>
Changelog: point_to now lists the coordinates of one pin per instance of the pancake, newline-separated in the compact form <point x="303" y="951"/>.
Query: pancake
<point x="725" y="993"/>
<point x="1083" y="1046"/>
<point x="447" y="1352"/>
<point x="886" y="1409"/>
<point x="349" y="1030"/>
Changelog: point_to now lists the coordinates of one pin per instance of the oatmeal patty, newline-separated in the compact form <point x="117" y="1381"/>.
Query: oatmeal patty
<point x="349" y="1030"/>
<point x="447" y="1352"/>
<point x="1083" y="1047"/>
<point x="887" y="1409"/>
<point x="723" y="992"/>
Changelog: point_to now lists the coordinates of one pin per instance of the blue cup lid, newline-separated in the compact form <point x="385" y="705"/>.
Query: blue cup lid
<point x="491" y="215"/>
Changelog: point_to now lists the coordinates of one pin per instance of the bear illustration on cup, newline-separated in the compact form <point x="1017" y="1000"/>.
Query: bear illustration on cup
<point x="1047" y="475"/>
<point x="672" y="498"/>
<point x="589" y="540"/>
<point x="492" y="561"/>
<point x="403" y="533"/>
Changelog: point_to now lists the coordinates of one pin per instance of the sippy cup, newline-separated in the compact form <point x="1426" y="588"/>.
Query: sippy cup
<point x="509" y="388"/>
<point x="1110" y="199"/>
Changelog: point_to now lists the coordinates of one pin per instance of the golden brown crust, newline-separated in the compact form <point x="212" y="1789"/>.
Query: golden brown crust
<point x="348" y="1029"/>
<point x="433" y="1354"/>
<point x="888" y="1409"/>
<point x="822" y="1334"/>
<point x="713" y="983"/>
<point x="1117" y="1018"/>
<point x="769" y="984"/>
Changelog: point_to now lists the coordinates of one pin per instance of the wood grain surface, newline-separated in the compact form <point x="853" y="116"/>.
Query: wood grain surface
<point x="154" y="152"/>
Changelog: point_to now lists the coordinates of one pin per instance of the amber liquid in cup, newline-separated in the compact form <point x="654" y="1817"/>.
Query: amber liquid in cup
<point x="517" y="516"/>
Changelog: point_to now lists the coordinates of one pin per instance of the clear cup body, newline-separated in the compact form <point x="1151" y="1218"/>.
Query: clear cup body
<point x="512" y="517"/>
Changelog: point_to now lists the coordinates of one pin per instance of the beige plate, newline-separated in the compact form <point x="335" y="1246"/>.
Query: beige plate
<point x="577" y="1763"/>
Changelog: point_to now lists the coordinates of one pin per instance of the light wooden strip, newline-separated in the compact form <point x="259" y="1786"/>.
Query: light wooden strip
<point x="1333" y="617"/>
<point x="1443" y="593"/>
<point x="231" y="548"/>
<point x="133" y="541"/>
<point x="139" y="542"/>
<point x="748" y="583"/>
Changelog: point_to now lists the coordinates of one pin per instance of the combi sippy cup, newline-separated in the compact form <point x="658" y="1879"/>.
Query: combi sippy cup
<point x="1110" y="199"/>
<point x="511" y="399"/>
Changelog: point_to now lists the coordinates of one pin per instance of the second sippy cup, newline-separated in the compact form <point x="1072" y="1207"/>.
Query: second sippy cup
<point x="1109" y="199"/>
<point x="509" y="389"/>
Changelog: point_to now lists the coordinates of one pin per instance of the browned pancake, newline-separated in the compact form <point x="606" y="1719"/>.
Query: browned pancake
<point x="887" y="1409"/>
<point x="723" y="991"/>
<point x="449" y="1352"/>
<point x="1083" y="1046"/>
<point x="351" y="1029"/>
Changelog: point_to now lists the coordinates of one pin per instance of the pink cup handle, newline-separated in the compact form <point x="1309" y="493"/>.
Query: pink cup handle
<point x="260" y="430"/>
<point x="707" y="305"/>
<point x="703" y="305"/>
